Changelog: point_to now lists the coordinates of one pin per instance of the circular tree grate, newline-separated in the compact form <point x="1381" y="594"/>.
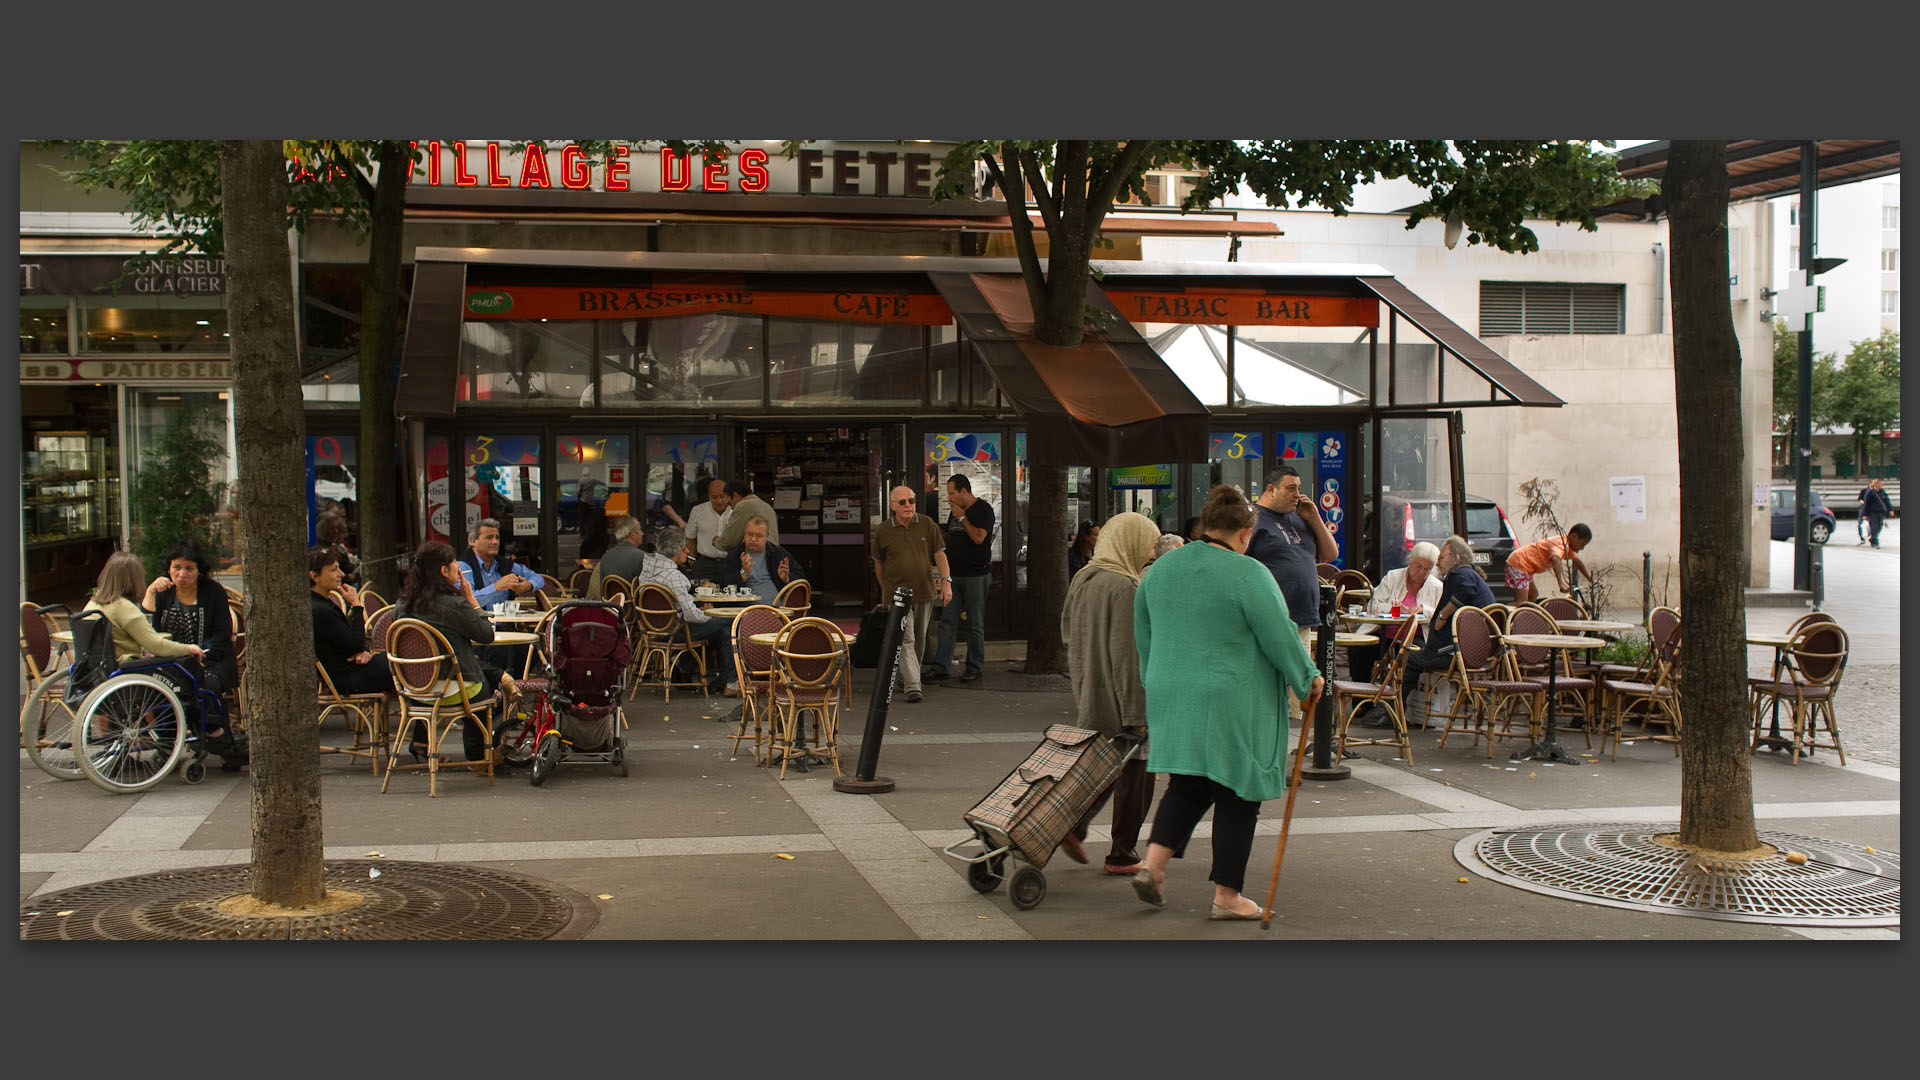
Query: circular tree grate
<point x="408" y="901"/>
<point x="1623" y="865"/>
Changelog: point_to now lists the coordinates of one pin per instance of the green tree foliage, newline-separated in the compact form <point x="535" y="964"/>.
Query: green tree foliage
<point x="175" y="489"/>
<point x="1866" y="390"/>
<point x="1786" y="386"/>
<point x="1487" y="189"/>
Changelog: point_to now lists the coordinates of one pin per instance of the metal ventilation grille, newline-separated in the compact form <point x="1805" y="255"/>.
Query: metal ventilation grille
<point x="409" y="901"/>
<point x="1512" y="307"/>
<point x="1621" y="865"/>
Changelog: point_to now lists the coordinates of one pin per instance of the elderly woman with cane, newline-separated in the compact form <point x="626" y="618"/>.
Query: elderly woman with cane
<point x="1218" y="653"/>
<point x="1097" y="622"/>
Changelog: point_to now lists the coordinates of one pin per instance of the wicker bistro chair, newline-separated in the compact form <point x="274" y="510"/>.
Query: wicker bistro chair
<point x="1327" y="572"/>
<point x="663" y="636"/>
<point x="1650" y="695"/>
<point x="796" y="596"/>
<point x="377" y="623"/>
<point x="1351" y="583"/>
<point x="1500" y="692"/>
<point x="812" y="672"/>
<point x="366" y="717"/>
<point x="1806" y="678"/>
<point x="1474" y="660"/>
<point x="1349" y="697"/>
<point x="372" y="601"/>
<point x="1530" y="663"/>
<point x="36" y="641"/>
<point x="613" y="583"/>
<point x="753" y="666"/>
<point x="578" y="581"/>
<point x="426" y="678"/>
<point x="1563" y="607"/>
<point x="46" y="721"/>
<point x="237" y="611"/>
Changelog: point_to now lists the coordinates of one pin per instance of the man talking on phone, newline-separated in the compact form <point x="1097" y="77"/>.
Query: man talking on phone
<point x="1290" y="539"/>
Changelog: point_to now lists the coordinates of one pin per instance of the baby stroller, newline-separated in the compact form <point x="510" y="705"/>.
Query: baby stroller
<point x="574" y="715"/>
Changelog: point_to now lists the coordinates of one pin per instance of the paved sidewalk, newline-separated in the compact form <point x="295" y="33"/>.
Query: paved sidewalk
<point x="687" y="846"/>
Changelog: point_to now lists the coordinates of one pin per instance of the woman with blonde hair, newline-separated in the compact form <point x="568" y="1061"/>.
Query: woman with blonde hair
<point x="1218" y="653"/>
<point x="114" y="592"/>
<point x="1097" y="623"/>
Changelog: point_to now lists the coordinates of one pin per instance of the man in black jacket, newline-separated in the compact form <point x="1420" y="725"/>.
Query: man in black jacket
<point x="759" y="563"/>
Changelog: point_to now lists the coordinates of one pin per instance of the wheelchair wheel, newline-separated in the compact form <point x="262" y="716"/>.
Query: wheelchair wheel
<point x="46" y="729"/>
<point x="130" y="732"/>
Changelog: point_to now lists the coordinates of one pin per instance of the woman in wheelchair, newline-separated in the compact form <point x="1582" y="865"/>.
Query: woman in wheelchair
<point x="134" y="636"/>
<point x="437" y="594"/>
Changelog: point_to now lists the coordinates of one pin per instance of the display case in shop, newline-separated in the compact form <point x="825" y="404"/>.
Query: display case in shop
<point x="70" y="493"/>
<point x="820" y="485"/>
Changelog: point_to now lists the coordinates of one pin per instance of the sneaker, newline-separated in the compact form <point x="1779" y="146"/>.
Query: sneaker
<point x="913" y="695"/>
<point x="970" y="676"/>
<point x="931" y="675"/>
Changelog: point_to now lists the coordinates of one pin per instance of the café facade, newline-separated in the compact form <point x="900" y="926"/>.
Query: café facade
<point x="586" y="337"/>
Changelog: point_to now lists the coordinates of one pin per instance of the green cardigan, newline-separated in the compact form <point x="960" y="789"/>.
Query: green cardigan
<point x="1218" y="651"/>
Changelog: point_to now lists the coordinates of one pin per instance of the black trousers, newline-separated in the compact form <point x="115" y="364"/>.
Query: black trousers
<point x="1132" y="795"/>
<point x="1185" y="803"/>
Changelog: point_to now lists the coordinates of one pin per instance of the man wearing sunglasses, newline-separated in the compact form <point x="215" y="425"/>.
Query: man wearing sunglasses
<point x="909" y="551"/>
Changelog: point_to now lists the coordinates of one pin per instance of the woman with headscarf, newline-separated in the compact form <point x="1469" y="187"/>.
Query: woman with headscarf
<point x="1097" y="623"/>
<point x="1218" y="653"/>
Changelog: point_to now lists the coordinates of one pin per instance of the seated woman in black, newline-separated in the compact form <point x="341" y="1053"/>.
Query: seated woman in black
<point x="437" y="594"/>
<point x="340" y="629"/>
<point x="187" y="605"/>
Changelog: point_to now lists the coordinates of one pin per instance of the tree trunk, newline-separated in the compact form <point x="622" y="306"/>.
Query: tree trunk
<point x="1047" y="539"/>
<point x="1716" y="782"/>
<point x="270" y="433"/>
<point x="379" y="316"/>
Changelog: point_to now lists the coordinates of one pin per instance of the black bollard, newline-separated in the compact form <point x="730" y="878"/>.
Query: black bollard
<point x="863" y="782"/>
<point x="1324" y="767"/>
<point x="1646" y="588"/>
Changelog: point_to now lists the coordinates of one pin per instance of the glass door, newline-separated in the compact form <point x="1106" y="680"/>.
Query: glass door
<point x="679" y="464"/>
<point x="504" y="482"/>
<point x="981" y="457"/>
<point x="592" y="481"/>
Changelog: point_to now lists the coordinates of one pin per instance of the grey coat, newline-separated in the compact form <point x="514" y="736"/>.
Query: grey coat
<point x="1097" y="622"/>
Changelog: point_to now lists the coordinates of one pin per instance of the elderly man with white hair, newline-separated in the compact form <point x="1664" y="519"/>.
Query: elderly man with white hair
<point x="1412" y="587"/>
<point x="663" y="566"/>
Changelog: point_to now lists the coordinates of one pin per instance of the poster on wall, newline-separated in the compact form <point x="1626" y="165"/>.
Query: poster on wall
<point x="1332" y="493"/>
<point x="1628" y="495"/>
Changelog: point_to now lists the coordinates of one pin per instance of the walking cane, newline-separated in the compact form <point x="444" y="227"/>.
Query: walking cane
<point x="1293" y="788"/>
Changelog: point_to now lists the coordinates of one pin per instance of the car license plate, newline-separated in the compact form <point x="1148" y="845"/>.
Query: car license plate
<point x="1481" y="558"/>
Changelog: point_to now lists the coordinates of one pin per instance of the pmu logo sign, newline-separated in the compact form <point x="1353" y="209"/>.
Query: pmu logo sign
<point x="490" y="303"/>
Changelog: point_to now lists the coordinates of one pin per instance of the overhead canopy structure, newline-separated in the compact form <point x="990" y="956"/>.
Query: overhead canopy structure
<point x="1764" y="168"/>
<point x="1111" y="400"/>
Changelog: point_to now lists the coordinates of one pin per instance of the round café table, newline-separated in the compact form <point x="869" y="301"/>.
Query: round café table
<point x="1596" y="626"/>
<point x="515" y="637"/>
<point x="527" y="616"/>
<point x="1548" y="748"/>
<point x="1779" y="643"/>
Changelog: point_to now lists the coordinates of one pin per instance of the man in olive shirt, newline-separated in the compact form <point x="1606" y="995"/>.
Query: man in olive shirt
<point x="909" y="551"/>
<point x="970" y="550"/>
<point x="746" y="505"/>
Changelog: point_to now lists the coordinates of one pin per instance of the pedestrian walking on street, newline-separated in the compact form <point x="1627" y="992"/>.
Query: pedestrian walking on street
<point x="1875" y="506"/>
<point x="1097" y="623"/>
<point x="909" y="551"/>
<point x="1218" y="655"/>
